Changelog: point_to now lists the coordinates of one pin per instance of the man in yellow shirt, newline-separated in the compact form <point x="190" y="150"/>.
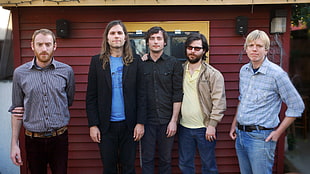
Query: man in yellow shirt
<point x="203" y="106"/>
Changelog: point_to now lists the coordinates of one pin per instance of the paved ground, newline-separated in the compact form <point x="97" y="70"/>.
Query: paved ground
<point x="298" y="160"/>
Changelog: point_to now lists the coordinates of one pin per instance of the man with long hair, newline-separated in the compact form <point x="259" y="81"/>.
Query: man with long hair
<point x="115" y="101"/>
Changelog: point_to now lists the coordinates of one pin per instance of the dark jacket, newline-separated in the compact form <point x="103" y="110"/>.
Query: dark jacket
<point x="99" y="94"/>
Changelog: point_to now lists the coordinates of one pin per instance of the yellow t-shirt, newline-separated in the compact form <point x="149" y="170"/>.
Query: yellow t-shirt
<point x="192" y="116"/>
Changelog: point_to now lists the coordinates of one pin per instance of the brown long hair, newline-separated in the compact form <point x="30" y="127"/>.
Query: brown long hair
<point x="105" y="47"/>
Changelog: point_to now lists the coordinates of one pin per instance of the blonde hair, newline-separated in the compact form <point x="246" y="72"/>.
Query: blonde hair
<point x="257" y="34"/>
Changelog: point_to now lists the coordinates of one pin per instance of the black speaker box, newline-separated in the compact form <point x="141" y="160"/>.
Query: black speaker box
<point x="62" y="28"/>
<point x="241" y="25"/>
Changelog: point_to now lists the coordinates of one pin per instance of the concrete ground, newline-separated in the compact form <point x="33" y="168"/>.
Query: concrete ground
<point x="297" y="161"/>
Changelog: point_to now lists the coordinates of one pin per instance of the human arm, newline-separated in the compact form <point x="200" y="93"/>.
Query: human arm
<point x="141" y="102"/>
<point x="292" y="99"/>
<point x="172" y="126"/>
<point x="92" y="94"/>
<point x="15" y="149"/>
<point x="70" y="89"/>
<point x="18" y="113"/>
<point x="232" y="132"/>
<point x="274" y="135"/>
<point x="218" y="103"/>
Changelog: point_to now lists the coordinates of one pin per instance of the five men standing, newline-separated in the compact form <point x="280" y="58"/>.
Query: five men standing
<point x="128" y="100"/>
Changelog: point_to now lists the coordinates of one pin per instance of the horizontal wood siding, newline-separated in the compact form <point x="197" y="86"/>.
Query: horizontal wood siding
<point x="86" y="27"/>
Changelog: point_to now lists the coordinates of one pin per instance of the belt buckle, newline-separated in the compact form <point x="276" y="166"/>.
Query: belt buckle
<point x="48" y="134"/>
<point x="248" y="129"/>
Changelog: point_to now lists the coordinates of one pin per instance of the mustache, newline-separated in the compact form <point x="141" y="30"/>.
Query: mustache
<point x="44" y="53"/>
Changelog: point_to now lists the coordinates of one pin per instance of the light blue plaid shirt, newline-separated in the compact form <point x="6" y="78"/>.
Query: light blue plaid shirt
<point x="262" y="93"/>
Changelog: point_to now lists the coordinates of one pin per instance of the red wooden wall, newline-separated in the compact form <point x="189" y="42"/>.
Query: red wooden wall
<point x="86" y="27"/>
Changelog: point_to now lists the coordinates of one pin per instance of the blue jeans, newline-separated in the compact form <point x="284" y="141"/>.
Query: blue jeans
<point x="156" y="134"/>
<point x="189" y="140"/>
<point x="255" y="156"/>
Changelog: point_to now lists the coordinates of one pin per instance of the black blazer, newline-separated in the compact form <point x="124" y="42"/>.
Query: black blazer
<point x="99" y="94"/>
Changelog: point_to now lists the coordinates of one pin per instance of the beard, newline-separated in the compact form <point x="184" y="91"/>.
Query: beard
<point x="195" y="60"/>
<point x="43" y="56"/>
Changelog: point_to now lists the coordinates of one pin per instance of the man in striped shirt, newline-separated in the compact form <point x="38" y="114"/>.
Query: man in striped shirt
<point x="43" y="89"/>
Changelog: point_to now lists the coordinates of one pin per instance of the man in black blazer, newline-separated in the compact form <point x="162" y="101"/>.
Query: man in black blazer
<point x="115" y="101"/>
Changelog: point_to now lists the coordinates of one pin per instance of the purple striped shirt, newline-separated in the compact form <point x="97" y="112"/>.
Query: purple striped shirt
<point x="45" y="93"/>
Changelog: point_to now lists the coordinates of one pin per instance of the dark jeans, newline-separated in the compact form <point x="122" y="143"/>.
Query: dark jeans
<point x="118" y="149"/>
<point x="43" y="151"/>
<point x="153" y="134"/>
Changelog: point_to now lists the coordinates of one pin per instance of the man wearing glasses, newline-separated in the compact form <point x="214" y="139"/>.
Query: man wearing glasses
<point x="203" y="107"/>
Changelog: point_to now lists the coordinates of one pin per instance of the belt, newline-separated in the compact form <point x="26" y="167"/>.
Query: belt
<point x="250" y="128"/>
<point x="47" y="134"/>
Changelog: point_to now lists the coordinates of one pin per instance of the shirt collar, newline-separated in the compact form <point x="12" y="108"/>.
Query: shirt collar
<point x="262" y="69"/>
<point x="163" y="57"/>
<point x="34" y="64"/>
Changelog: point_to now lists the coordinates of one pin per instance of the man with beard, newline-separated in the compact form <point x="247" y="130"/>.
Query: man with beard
<point x="43" y="89"/>
<point x="203" y="107"/>
<point x="163" y="77"/>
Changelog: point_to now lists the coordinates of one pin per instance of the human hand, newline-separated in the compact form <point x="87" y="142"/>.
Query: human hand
<point x="274" y="136"/>
<point x="94" y="133"/>
<point x="18" y="113"/>
<point x="232" y="133"/>
<point x="171" y="129"/>
<point x="210" y="133"/>
<point x="144" y="57"/>
<point x="15" y="155"/>
<point x="138" y="132"/>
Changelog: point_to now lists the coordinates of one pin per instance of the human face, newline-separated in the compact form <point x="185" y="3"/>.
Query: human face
<point x="256" y="52"/>
<point x="116" y="37"/>
<point x="157" y="42"/>
<point x="43" y="47"/>
<point x="194" y="51"/>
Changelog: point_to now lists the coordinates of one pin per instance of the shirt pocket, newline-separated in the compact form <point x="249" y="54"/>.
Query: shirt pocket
<point x="259" y="95"/>
<point x="165" y="76"/>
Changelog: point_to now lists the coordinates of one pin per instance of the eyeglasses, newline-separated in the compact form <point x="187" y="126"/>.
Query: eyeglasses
<point x="195" y="48"/>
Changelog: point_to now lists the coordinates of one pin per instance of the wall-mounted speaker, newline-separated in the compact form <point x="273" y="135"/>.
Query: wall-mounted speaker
<point x="241" y="25"/>
<point x="62" y="28"/>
